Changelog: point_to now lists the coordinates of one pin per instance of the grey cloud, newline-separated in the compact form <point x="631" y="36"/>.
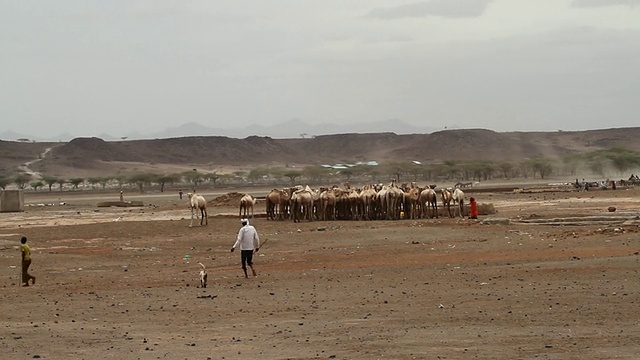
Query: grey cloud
<point x="570" y="79"/>
<point x="602" y="3"/>
<point x="442" y="8"/>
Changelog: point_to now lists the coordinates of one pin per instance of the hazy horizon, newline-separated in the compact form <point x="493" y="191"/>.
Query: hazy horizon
<point x="122" y="67"/>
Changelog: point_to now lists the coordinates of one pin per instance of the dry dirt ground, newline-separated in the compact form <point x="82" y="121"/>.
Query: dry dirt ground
<point x="122" y="283"/>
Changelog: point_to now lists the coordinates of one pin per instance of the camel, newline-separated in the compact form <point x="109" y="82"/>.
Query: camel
<point x="197" y="202"/>
<point x="328" y="205"/>
<point x="396" y="201"/>
<point x="246" y="204"/>
<point x="428" y="199"/>
<point x="354" y="204"/>
<point x="412" y="206"/>
<point x="447" y="196"/>
<point x="278" y="203"/>
<point x="458" y="198"/>
<point x="302" y="204"/>
<point x="391" y="197"/>
<point x="368" y="198"/>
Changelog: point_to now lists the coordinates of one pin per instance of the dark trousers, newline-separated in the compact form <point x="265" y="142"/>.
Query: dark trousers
<point x="25" y="271"/>
<point x="246" y="257"/>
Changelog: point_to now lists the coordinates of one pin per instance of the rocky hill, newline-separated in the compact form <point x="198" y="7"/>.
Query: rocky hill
<point x="94" y="156"/>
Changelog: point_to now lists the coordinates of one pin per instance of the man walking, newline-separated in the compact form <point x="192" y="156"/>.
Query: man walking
<point x="26" y="262"/>
<point x="248" y="241"/>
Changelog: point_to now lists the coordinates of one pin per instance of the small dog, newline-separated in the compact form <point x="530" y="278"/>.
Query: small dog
<point x="203" y="276"/>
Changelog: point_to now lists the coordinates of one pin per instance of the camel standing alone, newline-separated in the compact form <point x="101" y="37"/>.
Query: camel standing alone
<point x="246" y="204"/>
<point x="197" y="202"/>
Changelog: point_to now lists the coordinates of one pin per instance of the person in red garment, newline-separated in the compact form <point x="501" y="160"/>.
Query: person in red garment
<point x="473" y="212"/>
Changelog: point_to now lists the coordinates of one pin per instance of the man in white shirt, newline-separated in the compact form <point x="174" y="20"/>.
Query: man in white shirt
<point x="248" y="241"/>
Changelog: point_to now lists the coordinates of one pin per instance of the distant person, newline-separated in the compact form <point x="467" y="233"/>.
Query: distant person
<point x="249" y="242"/>
<point x="121" y="196"/>
<point x="180" y="194"/>
<point x="473" y="212"/>
<point x="26" y="262"/>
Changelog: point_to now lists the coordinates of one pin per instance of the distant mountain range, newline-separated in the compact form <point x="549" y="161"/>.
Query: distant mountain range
<point x="286" y="130"/>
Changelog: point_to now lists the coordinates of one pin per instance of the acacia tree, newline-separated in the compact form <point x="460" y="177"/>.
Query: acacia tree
<point x="257" y="174"/>
<point x="4" y="181"/>
<point x="524" y="167"/>
<point x="76" y="182"/>
<point x="142" y="180"/>
<point x="596" y="165"/>
<point x="416" y="171"/>
<point x="315" y="174"/>
<point x="50" y="181"/>
<point x="487" y="169"/>
<point x="622" y="160"/>
<point x="164" y="179"/>
<point x="239" y="174"/>
<point x="292" y="175"/>
<point x="397" y="169"/>
<point x="104" y="180"/>
<point x="93" y="181"/>
<point x="451" y="169"/>
<point x="211" y="177"/>
<point x="22" y="180"/>
<point x="506" y="168"/>
<point x="193" y="177"/>
<point x="36" y="184"/>
<point x="570" y="164"/>
<point x="61" y="181"/>
<point x="542" y="166"/>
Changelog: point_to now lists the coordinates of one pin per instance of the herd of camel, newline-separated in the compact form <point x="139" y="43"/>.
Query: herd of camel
<point x="370" y="202"/>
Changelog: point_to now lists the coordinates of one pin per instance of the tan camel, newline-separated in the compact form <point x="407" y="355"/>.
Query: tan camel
<point x="277" y="202"/>
<point x="412" y="195"/>
<point x="301" y="204"/>
<point x="428" y="200"/>
<point x="355" y="204"/>
<point x="246" y="205"/>
<point x="446" y="196"/>
<point x="328" y="205"/>
<point x="368" y="198"/>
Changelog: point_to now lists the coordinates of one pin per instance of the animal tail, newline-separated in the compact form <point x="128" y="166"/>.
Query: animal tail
<point x="201" y="264"/>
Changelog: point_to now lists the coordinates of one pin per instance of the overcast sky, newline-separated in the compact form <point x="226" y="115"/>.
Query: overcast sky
<point x="89" y="67"/>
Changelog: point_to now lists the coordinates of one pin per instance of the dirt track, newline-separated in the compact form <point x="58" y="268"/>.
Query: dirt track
<point x="123" y="283"/>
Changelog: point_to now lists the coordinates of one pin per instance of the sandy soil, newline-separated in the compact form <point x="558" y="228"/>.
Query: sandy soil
<point x="122" y="283"/>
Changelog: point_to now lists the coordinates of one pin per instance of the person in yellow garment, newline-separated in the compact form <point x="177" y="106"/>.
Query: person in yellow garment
<point x="26" y="262"/>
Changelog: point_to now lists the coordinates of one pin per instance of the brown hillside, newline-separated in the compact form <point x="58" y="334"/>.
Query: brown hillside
<point x="93" y="156"/>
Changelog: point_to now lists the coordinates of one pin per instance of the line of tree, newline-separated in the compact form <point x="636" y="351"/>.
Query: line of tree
<point x="600" y="162"/>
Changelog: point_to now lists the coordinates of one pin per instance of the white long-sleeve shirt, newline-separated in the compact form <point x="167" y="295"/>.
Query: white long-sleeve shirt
<point x="247" y="238"/>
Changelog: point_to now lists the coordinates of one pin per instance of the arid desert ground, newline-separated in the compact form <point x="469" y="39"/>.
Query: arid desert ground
<point x="558" y="280"/>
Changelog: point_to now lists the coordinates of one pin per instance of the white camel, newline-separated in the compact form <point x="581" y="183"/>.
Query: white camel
<point x="246" y="204"/>
<point x="458" y="198"/>
<point x="197" y="202"/>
